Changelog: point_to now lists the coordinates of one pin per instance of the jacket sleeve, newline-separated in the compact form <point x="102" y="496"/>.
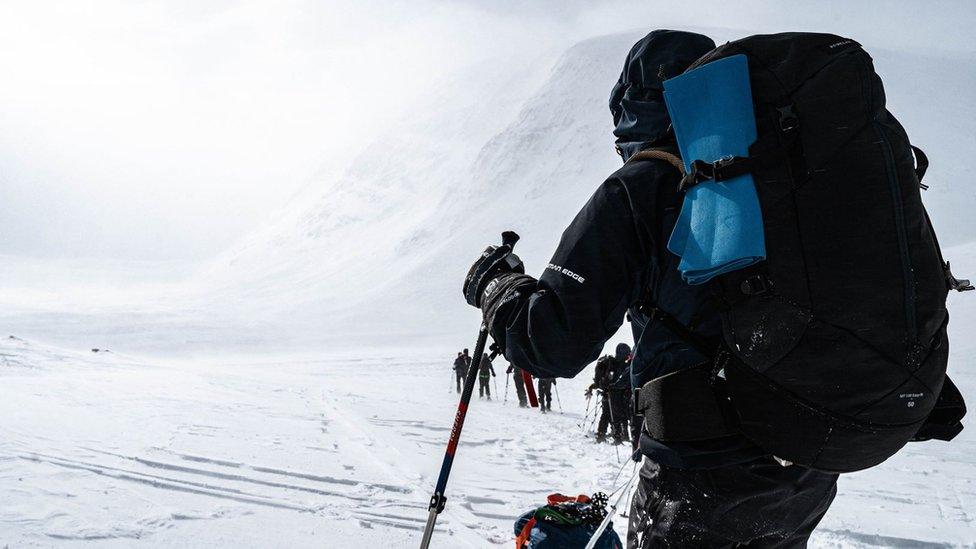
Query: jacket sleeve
<point x="559" y="327"/>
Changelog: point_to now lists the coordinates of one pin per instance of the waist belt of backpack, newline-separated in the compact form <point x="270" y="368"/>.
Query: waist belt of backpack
<point x="692" y="403"/>
<point x="684" y="406"/>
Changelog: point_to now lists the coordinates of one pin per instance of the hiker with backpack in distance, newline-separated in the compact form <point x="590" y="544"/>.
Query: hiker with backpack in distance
<point x="461" y="364"/>
<point x="485" y="372"/>
<point x="460" y="370"/>
<point x="782" y="281"/>
<point x="614" y="397"/>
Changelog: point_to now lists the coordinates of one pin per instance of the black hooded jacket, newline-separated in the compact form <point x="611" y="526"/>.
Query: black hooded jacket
<point x="615" y="250"/>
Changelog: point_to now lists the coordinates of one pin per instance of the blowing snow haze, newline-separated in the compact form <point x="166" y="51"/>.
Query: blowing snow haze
<point x="287" y="170"/>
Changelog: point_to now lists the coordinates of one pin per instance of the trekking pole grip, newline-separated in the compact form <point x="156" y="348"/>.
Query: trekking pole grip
<point x="509" y="238"/>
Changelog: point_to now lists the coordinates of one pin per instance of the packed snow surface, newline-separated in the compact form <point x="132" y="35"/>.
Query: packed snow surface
<point x="111" y="450"/>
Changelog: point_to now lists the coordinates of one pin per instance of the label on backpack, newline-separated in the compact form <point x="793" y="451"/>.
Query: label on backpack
<point x="841" y="46"/>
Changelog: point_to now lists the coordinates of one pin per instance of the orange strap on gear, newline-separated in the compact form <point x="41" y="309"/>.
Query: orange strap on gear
<point x="523" y="538"/>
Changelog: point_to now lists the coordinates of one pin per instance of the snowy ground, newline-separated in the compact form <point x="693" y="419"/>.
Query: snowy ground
<point x="108" y="450"/>
<point x="99" y="447"/>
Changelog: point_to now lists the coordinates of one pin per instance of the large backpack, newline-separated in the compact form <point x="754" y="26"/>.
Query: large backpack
<point x="835" y="346"/>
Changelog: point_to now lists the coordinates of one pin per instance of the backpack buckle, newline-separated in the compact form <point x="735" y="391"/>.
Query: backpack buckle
<point x="788" y="120"/>
<point x="723" y="169"/>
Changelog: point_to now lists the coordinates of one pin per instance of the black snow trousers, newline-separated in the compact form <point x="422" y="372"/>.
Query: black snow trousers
<point x="519" y="387"/>
<point x="759" y="504"/>
<point x="484" y="386"/>
<point x="612" y="415"/>
<point x="545" y="394"/>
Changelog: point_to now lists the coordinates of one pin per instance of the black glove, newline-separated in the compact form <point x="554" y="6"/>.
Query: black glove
<point x="502" y="290"/>
<point x="495" y="261"/>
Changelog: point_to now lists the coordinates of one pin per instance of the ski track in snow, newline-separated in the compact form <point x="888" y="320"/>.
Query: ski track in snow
<point x="112" y="451"/>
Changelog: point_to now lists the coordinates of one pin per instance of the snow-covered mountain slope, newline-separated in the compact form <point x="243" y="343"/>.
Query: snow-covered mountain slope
<point x="382" y="250"/>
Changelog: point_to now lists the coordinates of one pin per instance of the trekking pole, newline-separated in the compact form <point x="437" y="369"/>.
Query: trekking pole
<point x="494" y="380"/>
<point x="614" y="428"/>
<point x="559" y="402"/>
<point x="624" y="490"/>
<point x="586" y="414"/>
<point x="507" y="375"/>
<point x="437" y="500"/>
<point x="597" y="412"/>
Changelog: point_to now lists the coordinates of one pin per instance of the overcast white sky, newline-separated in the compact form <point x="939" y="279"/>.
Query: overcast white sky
<point x="162" y="130"/>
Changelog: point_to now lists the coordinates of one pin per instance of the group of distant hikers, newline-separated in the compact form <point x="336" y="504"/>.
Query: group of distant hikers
<point x="486" y="371"/>
<point x="767" y="241"/>
<point x="611" y="385"/>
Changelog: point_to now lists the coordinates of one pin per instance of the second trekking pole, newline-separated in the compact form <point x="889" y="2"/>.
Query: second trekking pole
<point x="507" y="376"/>
<point x="559" y="402"/>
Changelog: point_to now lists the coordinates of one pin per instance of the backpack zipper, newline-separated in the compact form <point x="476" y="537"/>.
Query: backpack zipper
<point x="908" y="277"/>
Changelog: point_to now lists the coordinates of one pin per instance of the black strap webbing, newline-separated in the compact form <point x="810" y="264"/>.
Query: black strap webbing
<point x="678" y="329"/>
<point x="722" y="169"/>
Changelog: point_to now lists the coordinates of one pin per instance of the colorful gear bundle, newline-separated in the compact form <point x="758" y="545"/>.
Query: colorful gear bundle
<point x="565" y="522"/>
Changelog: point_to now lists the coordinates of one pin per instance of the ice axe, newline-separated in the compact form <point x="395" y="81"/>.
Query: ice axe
<point x="438" y="499"/>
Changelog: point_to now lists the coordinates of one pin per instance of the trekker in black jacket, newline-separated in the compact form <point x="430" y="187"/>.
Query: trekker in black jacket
<point x="460" y="370"/>
<point x="718" y="492"/>
<point x="485" y="372"/>
<point x="614" y="394"/>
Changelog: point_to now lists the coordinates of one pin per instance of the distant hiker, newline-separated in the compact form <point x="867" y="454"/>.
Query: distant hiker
<point x="620" y="405"/>
<point x="845" y="305"/>
<point x="485" y="372"/>
<point x="611" y="380"/>
<point x="545" y="393"/>
<point x="516" y="373"/>
<point x="460" y="371"/>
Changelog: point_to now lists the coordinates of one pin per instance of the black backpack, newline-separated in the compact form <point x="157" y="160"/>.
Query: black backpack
<point x="835" y="347"/>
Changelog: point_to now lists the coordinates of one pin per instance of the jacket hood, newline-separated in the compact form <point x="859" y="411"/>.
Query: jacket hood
<point x="637" y="104"/>
<point x="622" y="351"/>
